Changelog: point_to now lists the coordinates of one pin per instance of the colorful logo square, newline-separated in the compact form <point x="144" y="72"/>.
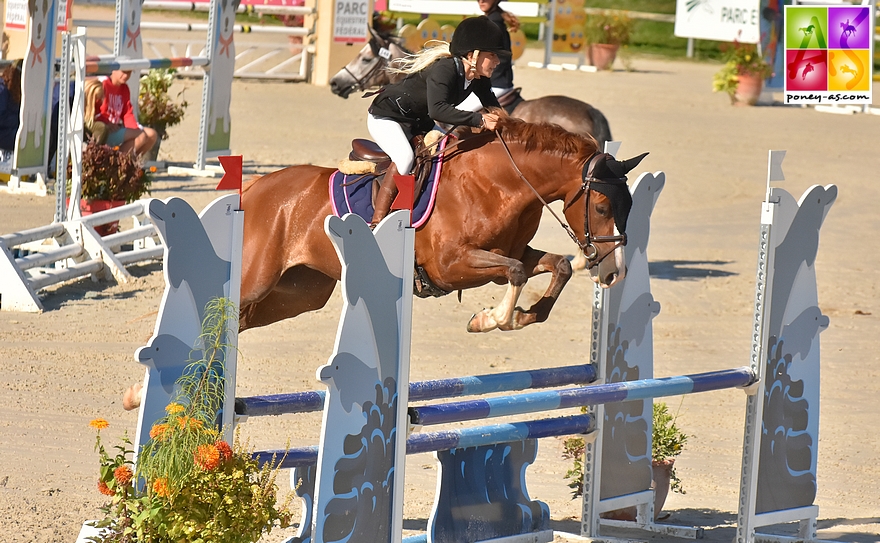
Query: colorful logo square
<point x="849" y="28"/>
<point x="806" y="69"/>
<point x="849" y="70"/>
<point x="806" y="28"/>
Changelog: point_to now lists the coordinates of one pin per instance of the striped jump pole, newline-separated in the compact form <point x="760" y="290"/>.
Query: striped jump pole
<point x="104" y="67"/>
<point x="308" y="401"/>
<point x="477" y="436"/>
<point x="577" y="397"/>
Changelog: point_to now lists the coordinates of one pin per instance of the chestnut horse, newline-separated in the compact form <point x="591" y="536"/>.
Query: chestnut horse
<point x="488" y="207"/>
<point x="369" y="69"/>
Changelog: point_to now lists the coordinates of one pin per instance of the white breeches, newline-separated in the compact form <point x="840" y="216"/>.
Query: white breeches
<point x="472" y="102"/>
<point x="394" y="140"/>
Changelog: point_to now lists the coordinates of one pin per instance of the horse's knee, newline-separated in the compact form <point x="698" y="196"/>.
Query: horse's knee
<point x="517" y="275"/>
<point x="564" y="269"/>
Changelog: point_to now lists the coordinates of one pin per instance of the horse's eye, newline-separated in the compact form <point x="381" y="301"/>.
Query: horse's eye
<point x="603" y="210"/>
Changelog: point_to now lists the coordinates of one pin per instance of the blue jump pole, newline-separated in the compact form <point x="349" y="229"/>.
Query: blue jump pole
<point x="304" y="402"/>
<point x="454" y="439"/>
<point x="576" y="397"/>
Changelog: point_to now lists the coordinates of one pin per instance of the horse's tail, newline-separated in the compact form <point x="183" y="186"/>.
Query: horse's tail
<point x="601" y="129"/>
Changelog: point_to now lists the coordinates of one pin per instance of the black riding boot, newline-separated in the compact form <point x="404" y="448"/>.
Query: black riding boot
<point x="385" y="196"/>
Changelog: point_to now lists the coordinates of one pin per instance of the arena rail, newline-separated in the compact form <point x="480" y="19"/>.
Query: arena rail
<point x="782" y="375"/>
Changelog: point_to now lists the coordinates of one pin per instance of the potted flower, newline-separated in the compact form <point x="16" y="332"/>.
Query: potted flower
<point x="155" y="106"/>
<point x="189" y="483"/>
<point x="606" y="32"/>
<point x="743" y="74"/>
<point x="110" y="178"/>
<point x="667" y="443"/>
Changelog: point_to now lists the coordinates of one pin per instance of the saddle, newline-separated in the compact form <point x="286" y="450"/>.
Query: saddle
<point x="365" y="152"/>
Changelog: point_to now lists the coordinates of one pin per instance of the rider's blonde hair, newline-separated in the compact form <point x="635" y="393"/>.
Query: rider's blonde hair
<point x="417" y="62"/>
<point x="93" y="91"/>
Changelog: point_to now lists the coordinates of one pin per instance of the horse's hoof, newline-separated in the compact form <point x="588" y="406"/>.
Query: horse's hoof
<point x="132" y="397"/>
<point x="472" y="326"/>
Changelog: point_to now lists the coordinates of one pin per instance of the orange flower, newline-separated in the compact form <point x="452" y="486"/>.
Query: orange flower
<point x="173" y="408"/>
<point x="160" y="487"/>
<point x="207" y="457"/>
<point x="224" y="449"/>
<point x="99" y="424"/>
<point x="157" y="432"/>
<point x="104" y="489"/>
<point x="123" y="475"/>
<point x="152" y="169"/>
<point x="190" y="421"/>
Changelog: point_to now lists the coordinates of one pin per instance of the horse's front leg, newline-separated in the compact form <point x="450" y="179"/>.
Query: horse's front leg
<point x="483" y="266"/>
<point x="537" y="262"/>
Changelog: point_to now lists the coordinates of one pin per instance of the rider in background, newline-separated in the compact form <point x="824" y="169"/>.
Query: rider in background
<point x="437" y="79"/>
<point x="502" y="77"/>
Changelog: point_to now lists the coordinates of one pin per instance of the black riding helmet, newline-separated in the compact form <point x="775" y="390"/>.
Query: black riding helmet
<point x="478" y="34"/>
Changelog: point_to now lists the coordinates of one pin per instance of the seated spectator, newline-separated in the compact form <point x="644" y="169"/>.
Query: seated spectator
<point x="123" y="129"/>
<point x="94" y="123"/>
<point x="10" y="106"/>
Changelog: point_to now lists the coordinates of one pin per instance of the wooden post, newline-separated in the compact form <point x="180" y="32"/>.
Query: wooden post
<point x="330" y="54"/>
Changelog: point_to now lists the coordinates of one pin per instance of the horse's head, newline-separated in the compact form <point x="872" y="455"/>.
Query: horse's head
<point x="368" y="69"/>
<point x="608" y="203"/>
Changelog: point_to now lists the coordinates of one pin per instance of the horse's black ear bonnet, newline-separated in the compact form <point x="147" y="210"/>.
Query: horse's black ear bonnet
<point x="611" y="176"/>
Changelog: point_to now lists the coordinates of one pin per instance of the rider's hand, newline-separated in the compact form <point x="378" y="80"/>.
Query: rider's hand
<point x="490" y="121"/>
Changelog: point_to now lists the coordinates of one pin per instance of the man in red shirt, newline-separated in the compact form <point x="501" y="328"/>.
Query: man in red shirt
<point x="124" y="131"/>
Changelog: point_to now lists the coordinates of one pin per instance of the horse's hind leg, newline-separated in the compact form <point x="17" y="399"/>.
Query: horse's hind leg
<point x="296" y="293"/>
<point x="541" y="262"/>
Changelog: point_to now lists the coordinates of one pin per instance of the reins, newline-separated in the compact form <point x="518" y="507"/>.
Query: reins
<point x="589" y="239"/>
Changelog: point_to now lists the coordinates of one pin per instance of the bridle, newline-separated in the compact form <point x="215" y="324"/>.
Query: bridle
<point x="593" y="258"/>
<point x="590" y="240"/>
<point x="382" y="56"/>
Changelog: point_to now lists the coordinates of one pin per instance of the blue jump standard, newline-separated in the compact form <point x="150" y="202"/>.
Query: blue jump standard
<point x="576" y="397"/>
<point x="454" y="439"/>
<point x="304" y="402"/>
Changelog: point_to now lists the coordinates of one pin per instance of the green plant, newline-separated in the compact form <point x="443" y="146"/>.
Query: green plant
<point x="190" y="485"/>
<point x="739" y="59"/>
<point x="667" y="442"/>
<point x="111" y="174"/>
<point x="155" y="107"/>
<point x="612" y="27"/>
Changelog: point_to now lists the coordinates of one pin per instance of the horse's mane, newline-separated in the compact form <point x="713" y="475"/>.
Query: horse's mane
<point x="546" y="137"/>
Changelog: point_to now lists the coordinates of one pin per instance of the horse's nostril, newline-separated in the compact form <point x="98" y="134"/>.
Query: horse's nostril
<point x="608" y="279"/>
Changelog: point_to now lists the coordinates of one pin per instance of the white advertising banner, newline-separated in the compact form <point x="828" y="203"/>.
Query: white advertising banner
<point x="722" y="20"/>
<point x="16" y="14"/>
<point x="350" y="20"/>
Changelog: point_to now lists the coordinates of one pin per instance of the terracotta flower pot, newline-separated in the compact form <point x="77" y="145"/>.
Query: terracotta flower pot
<point x="602" y="55"/>
<point x="748" y="90"/>
<point x="662" y="474"/>
<point x="87" y="207"/>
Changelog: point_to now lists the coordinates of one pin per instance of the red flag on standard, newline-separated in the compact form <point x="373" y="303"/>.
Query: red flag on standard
<point x="232" y="166"/>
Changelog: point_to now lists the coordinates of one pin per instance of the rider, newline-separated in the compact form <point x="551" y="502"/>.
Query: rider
<point x="437" y="79"/>
<point x="502" y="77"/>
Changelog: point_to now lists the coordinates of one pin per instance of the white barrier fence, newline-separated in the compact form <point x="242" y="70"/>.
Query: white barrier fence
<point x="273" y="57"/>
<point x="34" y="259"/>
